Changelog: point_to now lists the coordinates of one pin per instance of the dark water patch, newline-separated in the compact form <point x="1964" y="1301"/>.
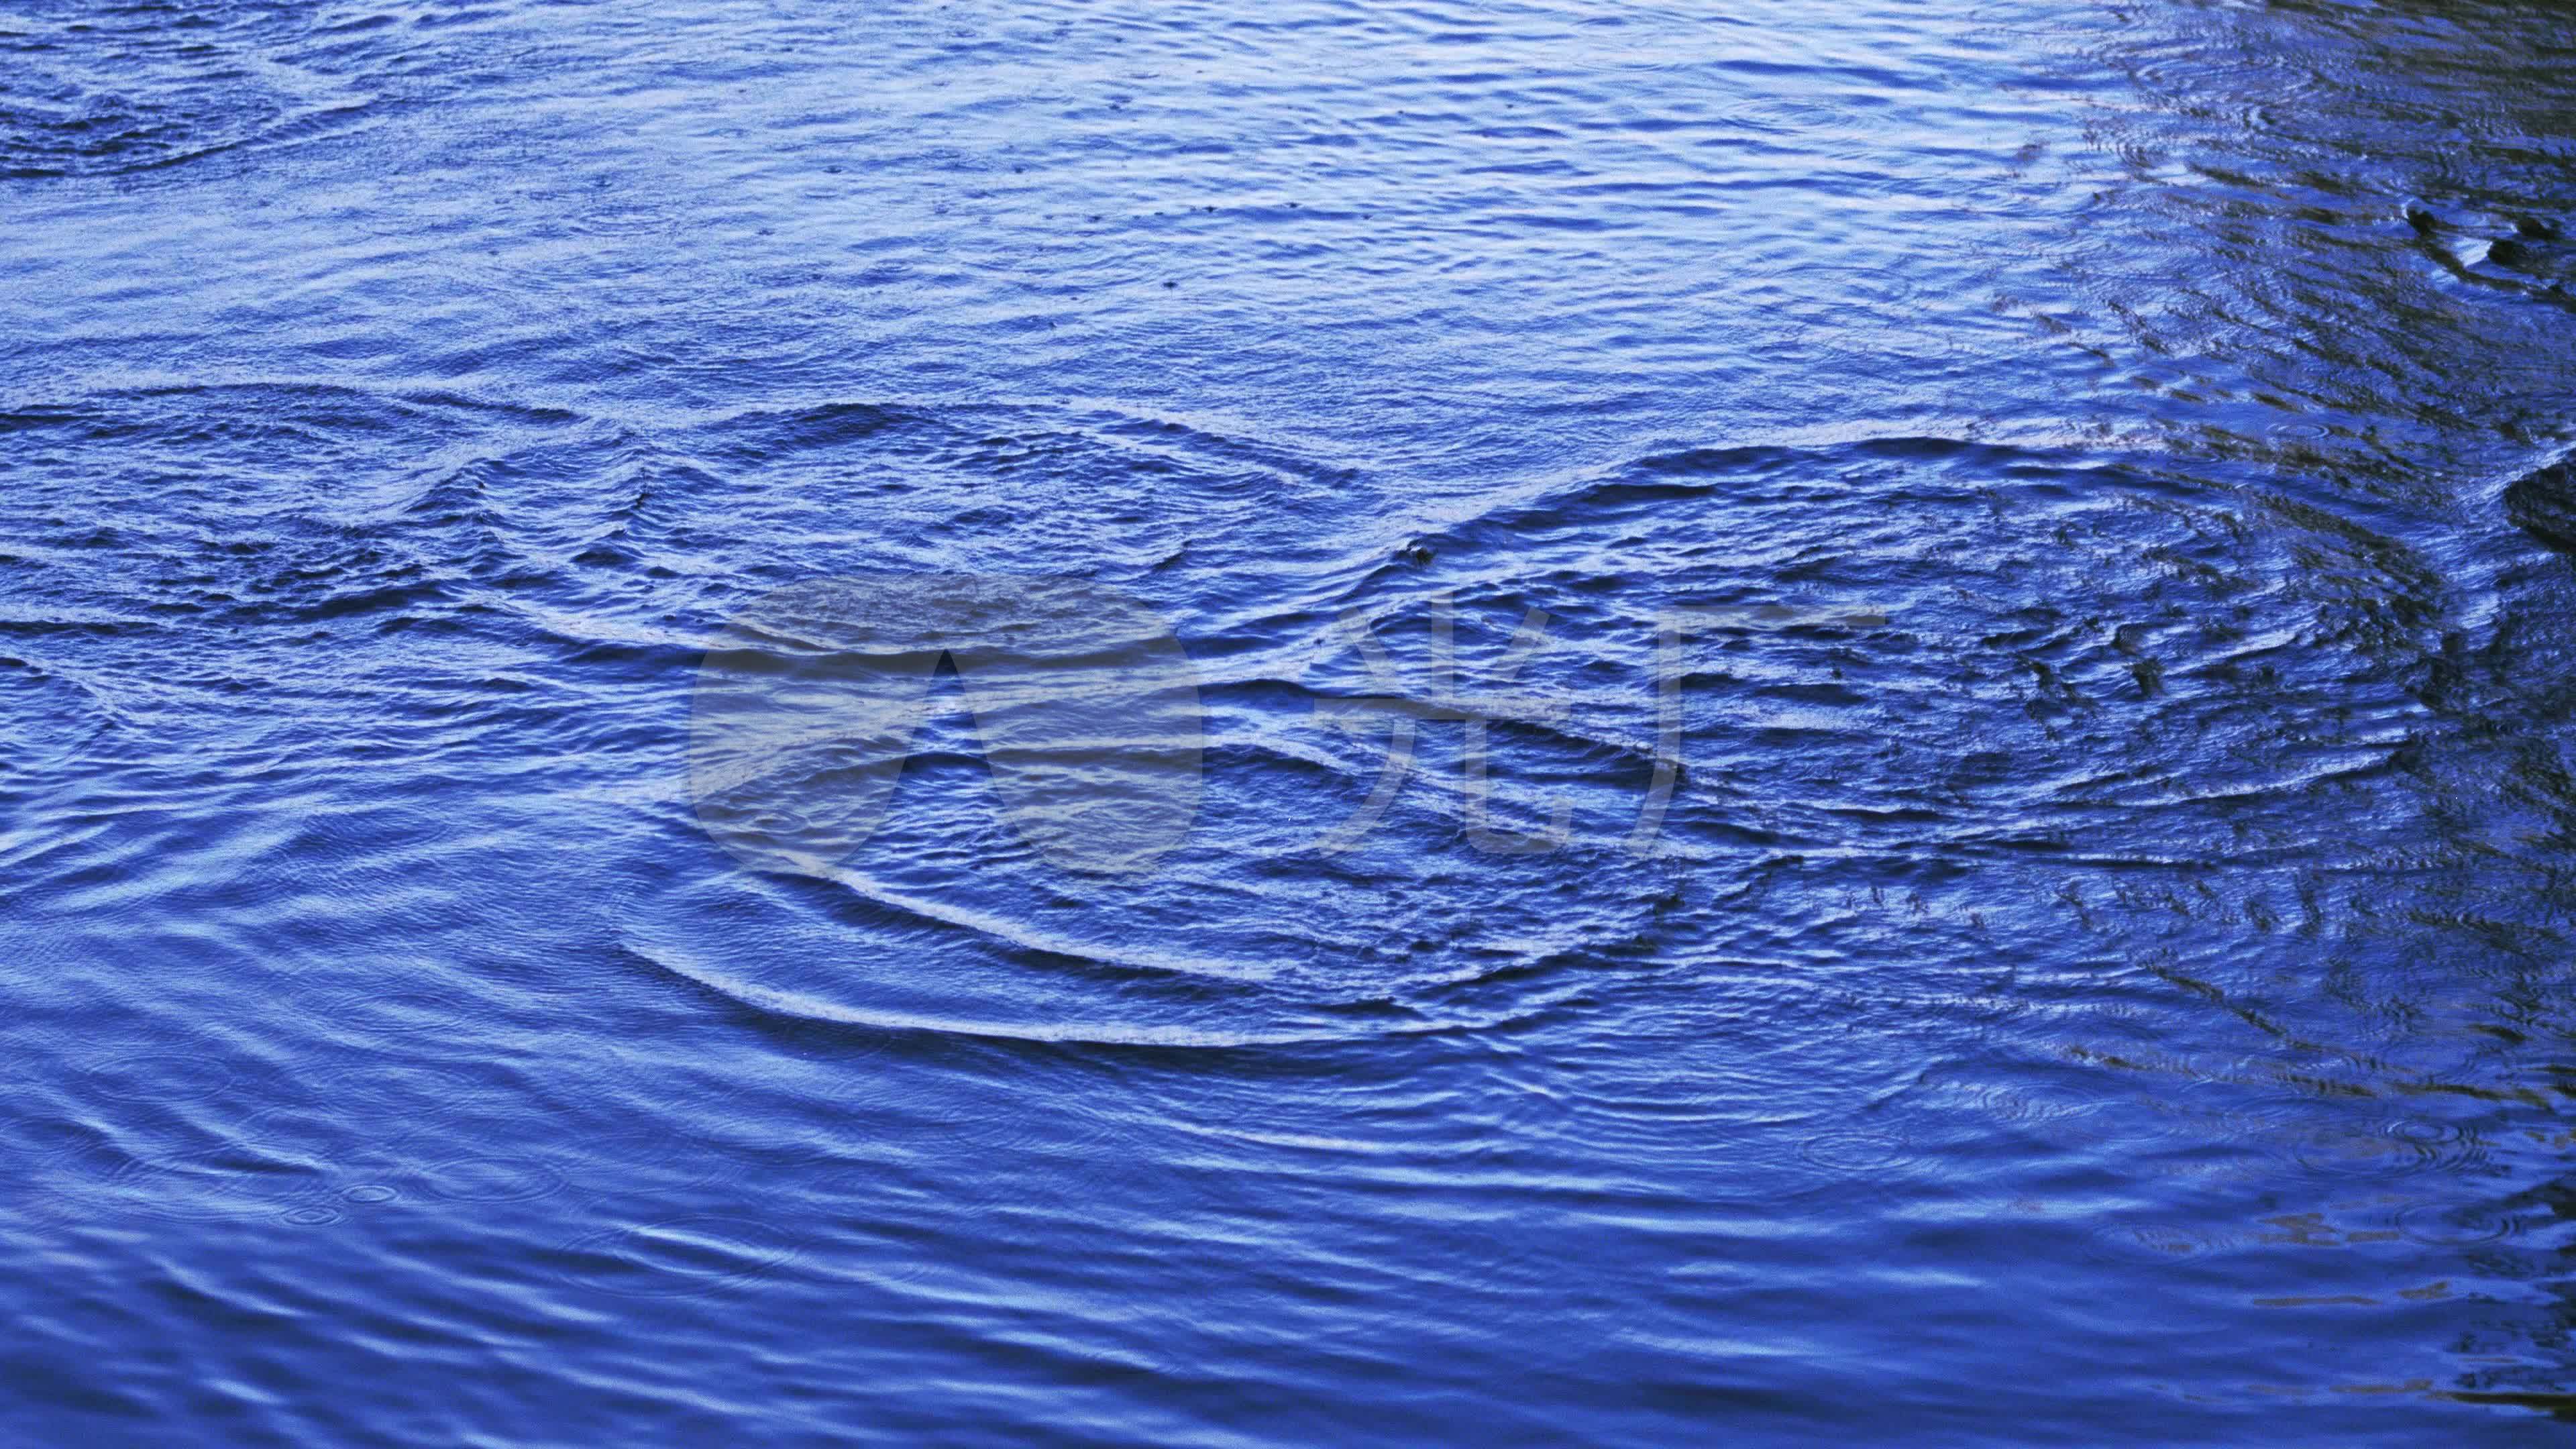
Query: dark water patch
<point x="127" y="90"/>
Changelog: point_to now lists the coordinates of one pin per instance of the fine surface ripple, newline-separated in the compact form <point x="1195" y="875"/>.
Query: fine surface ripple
<point x="1978" y="595"/>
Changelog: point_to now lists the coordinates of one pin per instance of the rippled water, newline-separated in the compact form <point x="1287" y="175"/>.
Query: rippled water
<point x="2098" y="975"/>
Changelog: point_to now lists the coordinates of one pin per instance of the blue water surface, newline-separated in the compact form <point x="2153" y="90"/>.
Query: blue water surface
<point x="2096" y="972"/>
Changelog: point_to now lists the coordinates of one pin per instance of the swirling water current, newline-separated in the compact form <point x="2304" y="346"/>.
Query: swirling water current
<point x="2099" y="975"/>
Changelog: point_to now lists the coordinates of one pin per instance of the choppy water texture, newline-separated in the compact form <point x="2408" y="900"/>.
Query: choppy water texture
<point x="2120" y="997"/>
